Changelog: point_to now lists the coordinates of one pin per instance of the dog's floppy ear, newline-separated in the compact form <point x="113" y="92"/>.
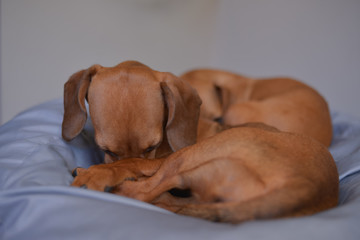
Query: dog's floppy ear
<point x="183" y="105"/>
<point x="75" y="90"/>
<point x="223" y="96"/>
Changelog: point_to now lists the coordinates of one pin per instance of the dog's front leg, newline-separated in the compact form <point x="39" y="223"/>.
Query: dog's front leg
<point x="104" y="177"/>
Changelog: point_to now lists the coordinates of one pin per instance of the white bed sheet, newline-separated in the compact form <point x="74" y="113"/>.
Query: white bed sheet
<point x="36" y="201"/>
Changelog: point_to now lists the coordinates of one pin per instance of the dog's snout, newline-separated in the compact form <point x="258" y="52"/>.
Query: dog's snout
<point x="110" y="159"/>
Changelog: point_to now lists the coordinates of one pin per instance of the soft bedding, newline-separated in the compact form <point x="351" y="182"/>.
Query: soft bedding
<point x="36" y="201"/>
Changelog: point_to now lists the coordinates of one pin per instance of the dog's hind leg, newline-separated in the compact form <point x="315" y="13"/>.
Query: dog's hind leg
<point x="294" y="199"/>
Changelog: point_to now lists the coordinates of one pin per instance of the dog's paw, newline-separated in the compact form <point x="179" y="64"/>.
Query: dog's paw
<point x="74" y="172"/>
<point x="100" y="177"/>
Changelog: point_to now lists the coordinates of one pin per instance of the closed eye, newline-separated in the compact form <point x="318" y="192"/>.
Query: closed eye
<point x="111" y="153"/>
<point x="149" y="149"/>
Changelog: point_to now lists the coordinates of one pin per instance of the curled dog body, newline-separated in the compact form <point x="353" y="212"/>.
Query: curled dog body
<point x="284" y="103"/>
<point x="244" y="173"/>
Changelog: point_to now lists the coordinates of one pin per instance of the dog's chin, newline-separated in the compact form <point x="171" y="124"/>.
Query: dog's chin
<point x="108" y="159"/>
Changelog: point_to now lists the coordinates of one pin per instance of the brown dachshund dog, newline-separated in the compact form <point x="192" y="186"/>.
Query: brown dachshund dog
<point x="135" y="111"/>
<point x="284" y="103"/>
<point x="243" y="173"/>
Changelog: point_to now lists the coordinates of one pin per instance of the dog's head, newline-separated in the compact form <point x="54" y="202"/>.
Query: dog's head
<point x="136" y="111"/>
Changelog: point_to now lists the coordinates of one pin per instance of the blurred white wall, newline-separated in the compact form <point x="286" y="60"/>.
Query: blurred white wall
<point x="44" y="41"/>
<point x="316" y="41"/>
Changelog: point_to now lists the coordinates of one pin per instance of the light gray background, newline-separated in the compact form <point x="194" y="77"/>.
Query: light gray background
<point x="44" y="41"/>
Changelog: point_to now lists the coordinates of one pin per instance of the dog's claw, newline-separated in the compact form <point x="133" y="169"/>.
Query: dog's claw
<point x="83" y="186"/>
<point x="108" y="189"/>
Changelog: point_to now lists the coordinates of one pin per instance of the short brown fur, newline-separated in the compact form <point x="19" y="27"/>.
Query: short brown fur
<point x="244" y="173"/>
<point x="135" y="111"/>
<point x="284" y="103"/>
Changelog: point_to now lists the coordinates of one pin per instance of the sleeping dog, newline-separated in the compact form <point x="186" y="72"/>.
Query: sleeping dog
<point x="248" y="172"/>
<point x="244" y="173"/>
<point x="136" y="111"/>
<point x="284" y="103"/>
